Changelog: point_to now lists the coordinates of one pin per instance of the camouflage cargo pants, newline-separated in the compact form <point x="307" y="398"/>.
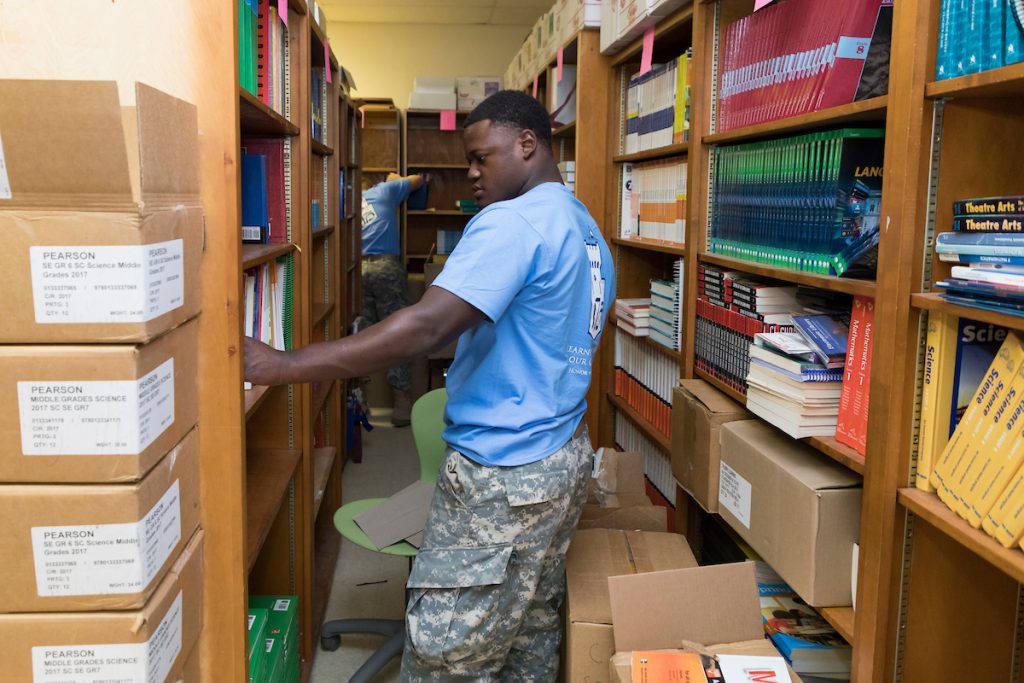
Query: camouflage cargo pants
<point x="385" y="290"/>
<point x="486" y="586"/>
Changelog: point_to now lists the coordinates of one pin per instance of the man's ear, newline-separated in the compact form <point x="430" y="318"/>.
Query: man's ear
<point x="527" y="143"/>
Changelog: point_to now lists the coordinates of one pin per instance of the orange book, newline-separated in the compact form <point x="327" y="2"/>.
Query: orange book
<point x="664" y="666"/>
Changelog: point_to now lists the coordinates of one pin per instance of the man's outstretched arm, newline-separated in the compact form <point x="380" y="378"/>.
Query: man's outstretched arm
<point x="417" y="330"/>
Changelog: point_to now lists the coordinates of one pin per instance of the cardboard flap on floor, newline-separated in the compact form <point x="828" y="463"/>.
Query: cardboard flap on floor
<point x="401" y="516"/>
<point x="716" y="604"/>
<point x="636" y="518"/>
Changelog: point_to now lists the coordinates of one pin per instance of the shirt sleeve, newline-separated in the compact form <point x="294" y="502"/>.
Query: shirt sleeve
<point x="498" y="254"/>
<point x="398" y="191"/>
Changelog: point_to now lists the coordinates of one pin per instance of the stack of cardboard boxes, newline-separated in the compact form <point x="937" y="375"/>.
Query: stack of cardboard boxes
<point x="444" y="92"/>
<point x="99" y="472"/>
<point x="550" y="33"/>
<point x="623" y="21"/>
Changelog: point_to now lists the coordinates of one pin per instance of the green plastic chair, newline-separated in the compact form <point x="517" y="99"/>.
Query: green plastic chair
<point x="427" y="420"/>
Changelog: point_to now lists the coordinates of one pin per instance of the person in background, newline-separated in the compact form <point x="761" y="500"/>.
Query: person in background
<point x="528" y="289"/>
<point x="385" y="286"/>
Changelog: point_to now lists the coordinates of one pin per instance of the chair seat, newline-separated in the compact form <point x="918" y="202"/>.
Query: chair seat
<point x="345" y="523"/>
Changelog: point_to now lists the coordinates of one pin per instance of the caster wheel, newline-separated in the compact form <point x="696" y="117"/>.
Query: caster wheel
<point x="330" y="643"/>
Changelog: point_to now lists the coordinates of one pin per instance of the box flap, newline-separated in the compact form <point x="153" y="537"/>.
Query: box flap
<point x="641" y="518"/>
<point x="618" y="472"/>
<point x="168" y="132"/>
<point x="399" y="517"/>
<point x="801" y="462"/>
<point x="64" y="145"/>
<point x="714" y="400"/>
<point x="716" y="604"/>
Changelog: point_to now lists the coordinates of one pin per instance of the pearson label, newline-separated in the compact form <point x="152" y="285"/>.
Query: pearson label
<point x="107" y="559"/>
<point x="118" y="417"/>
<point x="734" y="494"/>
<point x="148" y="662"/>
<point x="123" y="284"/>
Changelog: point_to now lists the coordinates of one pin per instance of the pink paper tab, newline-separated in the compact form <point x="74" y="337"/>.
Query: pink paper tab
<point x="648" y="52"/>
<point x="448" y="119"/>
<point x="760" y="4"/>
<point x="282" y="11"/>
<point x="362" y="117"/>
<point x="535" y="79"/>
<point x="327" y="58"/>
<point x="559" y="62"/>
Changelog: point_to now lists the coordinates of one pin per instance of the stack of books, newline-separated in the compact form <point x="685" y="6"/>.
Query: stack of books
<point x="657" y="106"/>
<point x="987" y="243"/>
<point x="268" y="302"/>
<point x="808" y="203"/>
<point x="666" y="312"/>
<point x="978" y="35"/>
<point x="644" y="379"/>
<point x="248" y="18"/>
<point x="633" y="316"/>
<point x="271" y="53"/>
<point x="568" y="171"/>
<point x="447" y="240"/>
<point x="852" y="425"/>
<point x="318" y="104"/>
<point x="654" y="201"/>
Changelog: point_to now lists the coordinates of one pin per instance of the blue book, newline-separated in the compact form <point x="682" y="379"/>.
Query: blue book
<point x="989" y="243"/>
<point x="943" y="58"/>
<point x="993" y="35"/>
<point x="255" y="221"/>
<point x="985" y="259"/>
<point x="1013" y="31"/>
<point x="987" y="305"/>
<point x="972" y="29"/>
<point x="826" y="336"/>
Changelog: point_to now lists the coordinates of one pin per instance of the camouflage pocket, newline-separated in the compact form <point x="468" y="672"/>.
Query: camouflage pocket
<point x="523" y="487"/>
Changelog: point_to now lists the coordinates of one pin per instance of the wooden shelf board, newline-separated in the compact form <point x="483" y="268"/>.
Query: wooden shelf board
<point x="256" y="117"/>
<point x="661" y="440"/>
<point x="660" y="348"/>
<point x="320" y="397"/>
<point x="326" y="548"/>
<point x="267" y="474"/>
<point x="872" y="110"/>
<point x="321" y="149"/>
<point x="835" y="284"/>
<point x="456" y="167"/>
<point x="321" y="311"/>
<point x="929" y="508"/>
<point x="561" y="131"/>
<point x="322" y="232"/>
<point x="434" y="112"/>
<point x="826" y="445"/>
<point x="658" y="153"/>
<point x="935" y="302"/>
<point x="379" y="169"/>
<point x="440" y="212"/>
<point x="674" y="21"/>
<point x="652" y="245"/>
<point x="842" y="619"/>
<point x="1001" y="82"/>
<point x="323" y="463"/>
<point x="256" y="254"/>
<point x="253" y="398"/>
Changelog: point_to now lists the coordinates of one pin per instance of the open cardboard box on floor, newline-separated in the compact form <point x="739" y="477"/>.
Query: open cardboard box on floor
<point x="96" y="413"/>
<point x="616" y="498"/>
<point x="82" y="547"/>
<point x="148" y="644"/>
<point x="100" y="212"/>
<point x="715" y="609"/>
<point x="595" y="555"/>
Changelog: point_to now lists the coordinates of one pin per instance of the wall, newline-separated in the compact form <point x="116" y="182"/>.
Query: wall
<point x="385" y="58"/>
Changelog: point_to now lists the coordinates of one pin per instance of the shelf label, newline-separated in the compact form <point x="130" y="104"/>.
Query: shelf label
<point x="119" y="417"/>
<point x="647" y="54"/>
<point x="89" y="284"/>
<point x="734" y="493"/>
<point x="448" y="119"/>
<point x="282" y="11"/>
<point x="148" y="662"/>
<point x="107" y="559"/>
<point x="5" y="183"/>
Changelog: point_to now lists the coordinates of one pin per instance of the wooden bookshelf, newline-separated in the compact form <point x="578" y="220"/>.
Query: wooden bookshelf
<point x="834" y="284"/>
<point x="257" y="117"/>
<point x="320" y="149"/>
<point x="660" y="348"/>
<point x="320" y="233"/>
<point x="257" y="254"/>
<point x="679" y="149"/>
<point x="253" y="398"/>
<point x="447" y="167"/>
<point x="841" y="619"/>
<point x="1005" y="82"/>
<point x="268" y="475"/>
<point x="564" y="131"/>
<point x="657" y="436"/>
<point x="323" y="464"/>
<point x="870" y="111"/>
<point x="651" y="245"/>
<point x="935" y="302"/>
<point x="320" y="313"/>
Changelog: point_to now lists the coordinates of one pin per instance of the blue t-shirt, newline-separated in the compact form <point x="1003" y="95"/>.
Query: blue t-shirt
<point x="540" y="271"/>
<point x="380" y="216"/>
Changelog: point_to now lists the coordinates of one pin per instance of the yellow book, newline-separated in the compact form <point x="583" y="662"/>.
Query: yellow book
<point x="936" y="394"/>
<point x="679" y="122"/>
<point x="1005" y="520"/>
<point x="998" y="455"/>
<point x="986" y="399"/>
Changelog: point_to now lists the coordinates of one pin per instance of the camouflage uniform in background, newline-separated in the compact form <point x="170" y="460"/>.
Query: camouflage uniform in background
<point x="486" y="586"/>
<point x="385" y="291"/>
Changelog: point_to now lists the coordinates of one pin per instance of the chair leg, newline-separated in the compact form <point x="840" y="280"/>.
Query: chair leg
<point x="380" y="658"/>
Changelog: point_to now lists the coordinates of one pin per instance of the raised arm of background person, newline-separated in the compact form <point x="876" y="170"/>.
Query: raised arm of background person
<point x="415" y="181"/>
<point x="414" y="331"/>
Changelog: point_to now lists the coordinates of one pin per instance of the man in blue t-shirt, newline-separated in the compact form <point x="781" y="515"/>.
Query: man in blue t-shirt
<point x="385" y="286"/>
<point x="527" y="292"/>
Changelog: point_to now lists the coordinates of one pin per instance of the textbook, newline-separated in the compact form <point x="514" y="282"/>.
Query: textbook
<point x="989" y="223"/>
<point x="1005" y="519"/>
<point x="852" y="422"/>
<point x="793" y="367"/>
<point x="989" y="206"/>
<point x="977" y="35"/>
<point x="826" y="336"/>
<point x="994" y="243"/>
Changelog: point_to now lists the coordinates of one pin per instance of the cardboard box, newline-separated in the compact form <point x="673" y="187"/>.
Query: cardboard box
<point x="257" y="632"/>
<point x="618" y="480"/>
<point x="432" y="101"/>
<point x="100" y="212"/>
<point x="122" y="646"/>
<point x="430" y="272"/>
<point x="472" y="90"/>
<point x="799" y="510"/>
<point x="634" y="518"/>
<point x="102" y="413"/>
<point x="715" y="609"/>
<point x="595" y="555"/>
<point x="103" y="546"/>
<point x="698" y="413"/>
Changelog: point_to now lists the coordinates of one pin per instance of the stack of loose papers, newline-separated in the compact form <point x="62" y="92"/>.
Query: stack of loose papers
<point x="401" y="517"/>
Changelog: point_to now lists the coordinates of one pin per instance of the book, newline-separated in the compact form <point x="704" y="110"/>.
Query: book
<point x="988" y="243"/>
<point x="993" y="276"/>
<point x="826" y="336"/>
<point x="979" y="259"/>
<point x="1005" y="519"/>
<point x="277" y="216"/>
<point x="989" y="223"/>
<point x="255" y="220"/>
<point x="989" y="206"/>
<point x="789" y="343"/>
<point x="1013" y="31"/>
<point x="792" y="367"/>
<point x="852" y="421"/>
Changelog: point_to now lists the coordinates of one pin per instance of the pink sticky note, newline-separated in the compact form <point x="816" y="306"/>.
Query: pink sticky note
<point x="362" y="117"/>
<point x="648" y="52"/>
<point x="559" y="62"/>
<point x="448" y="119"/>
<point x="282" y="11"/>
<point x="535" y="79"/>
<point x="758" y="4"/>
<point x="327" y="58"/>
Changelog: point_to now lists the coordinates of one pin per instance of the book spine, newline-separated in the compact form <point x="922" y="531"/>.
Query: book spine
<point x="943" y="69"/>
<point x="1011" y="205"/>
<point x="1014" y="36"/>
<point x="979" y="223"/>
<point x="1005" y="520"/>
<point x="846" y="432"/>
<point x="935" y="395"/>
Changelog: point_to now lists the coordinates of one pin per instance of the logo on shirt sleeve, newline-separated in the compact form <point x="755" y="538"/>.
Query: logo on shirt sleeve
<point x="597" y="287"/>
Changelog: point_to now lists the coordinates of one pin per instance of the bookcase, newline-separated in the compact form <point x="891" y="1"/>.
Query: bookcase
<point x="382" y="143"/>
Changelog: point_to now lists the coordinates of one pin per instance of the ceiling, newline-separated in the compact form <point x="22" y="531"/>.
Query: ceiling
<point x="473" y="12"/>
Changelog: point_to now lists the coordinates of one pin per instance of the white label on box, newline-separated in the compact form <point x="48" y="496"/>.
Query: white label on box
<point x="734" y="493"/>
<point x="117" y="417"/>
<point x="5" y="183"/>
<point x="124" y="284"/>
<point x="107" y="559"/>
<point x="148" y="662"/>
<point x="281" y="605"/>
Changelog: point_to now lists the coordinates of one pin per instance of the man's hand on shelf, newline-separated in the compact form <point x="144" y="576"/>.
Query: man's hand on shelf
<point x="263" y="365"/>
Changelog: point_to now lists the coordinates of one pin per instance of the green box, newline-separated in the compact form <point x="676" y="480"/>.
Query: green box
<point x="258" y="618"/>
<point x="282" y="619"/>
<point x="291" y="668"/>
<point x="275" y="659"/>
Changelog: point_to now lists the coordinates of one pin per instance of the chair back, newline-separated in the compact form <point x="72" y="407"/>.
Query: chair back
<point x="427" y="419"/>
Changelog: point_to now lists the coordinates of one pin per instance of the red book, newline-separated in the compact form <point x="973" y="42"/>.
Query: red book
<point x="846" y="426"/>
<point x="263" y="20"/>
<point x="277" y="209"/>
